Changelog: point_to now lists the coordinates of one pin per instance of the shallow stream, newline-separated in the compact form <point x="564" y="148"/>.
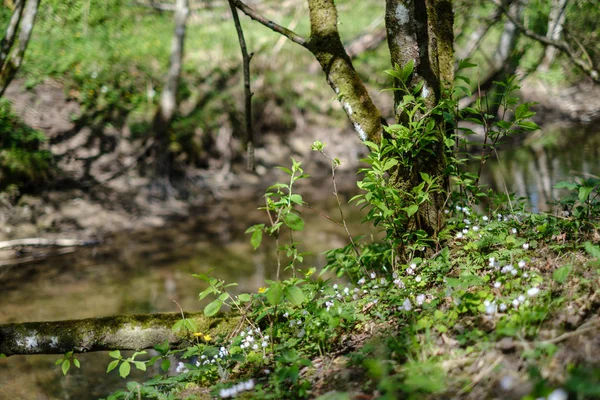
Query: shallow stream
<point x="144" y="272"/>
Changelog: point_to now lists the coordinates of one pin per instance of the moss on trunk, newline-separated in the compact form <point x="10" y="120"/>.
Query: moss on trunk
<point x="123" y="332"/>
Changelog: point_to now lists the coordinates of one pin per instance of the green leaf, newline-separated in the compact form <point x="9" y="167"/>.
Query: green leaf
<point x="275" y="294"/>
<point x="140" y="365"/>
<point x="124" y="370"/>
<point x="294" y="295"/>
<point x="293" y="221"/>
<point x="244" y="297"/>
<point x="60" y="360"/>
<point x="584" y="193"/>
<point x="115" y="354"/>
<point x="65" y="366"/>
<point x="256" y="238"/>
<point x="112" y="365"/>
<point x="296" y="198"/>
<point x="566" y="185"/>
<point x="411" y="210"/>
<point x="529" y="126"/>
<point x="163" y="347"/>
<point x="177" y="326"/>
<point x="466" y="63"/>
<point x="560" y="275"/>
<point x="165" y="365"/>
<point x="213" y="308"/>
<point x="390" y="163"/>
<point x="76" y="363"/>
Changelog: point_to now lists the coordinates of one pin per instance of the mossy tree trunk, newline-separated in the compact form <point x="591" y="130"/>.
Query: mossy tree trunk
<point x="123" y="332"/>
<point x="417" y="30"/>
<point x="421" y="31"/>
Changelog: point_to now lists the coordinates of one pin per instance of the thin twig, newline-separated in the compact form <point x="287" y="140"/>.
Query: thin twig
<point x="247" y="92"/>
<point x="293" y="36"/>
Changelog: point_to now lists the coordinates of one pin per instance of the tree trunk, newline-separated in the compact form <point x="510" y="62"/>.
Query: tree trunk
<point x="327" y="47"/>
<point x="22" y="20"/>
<point x="124" y="332"/>
<point x="420" y="31"/>
<point x="556" y="20"/>
<point x="167" y="107"/>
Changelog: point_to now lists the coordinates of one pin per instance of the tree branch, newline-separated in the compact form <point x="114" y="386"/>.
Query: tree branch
<point x="41" y="242"/>
<point x="589" y="70"/>
<point x="293" y="36"/>
<point x="247" y="91"/>
<point x="123" y="332"/>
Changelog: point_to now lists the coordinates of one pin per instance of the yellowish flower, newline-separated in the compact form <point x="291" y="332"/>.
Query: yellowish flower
<point x="207" y="338"/>
<point x="262" y="289"/>
<point x="198" y="334"/>
<point x="201" y="335"/>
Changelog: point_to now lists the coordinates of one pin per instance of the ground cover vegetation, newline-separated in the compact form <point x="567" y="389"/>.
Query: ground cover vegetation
<point x="465" y="294"/>
<point x="493" y="307"/>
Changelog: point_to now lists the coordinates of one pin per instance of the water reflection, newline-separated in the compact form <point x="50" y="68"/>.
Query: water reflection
<point x="144" y="272"/>
<point x="532" y="169"/>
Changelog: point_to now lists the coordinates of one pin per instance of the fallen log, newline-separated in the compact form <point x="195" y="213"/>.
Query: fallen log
<point x="122" y="332"/>
<point x="41" y="242"/>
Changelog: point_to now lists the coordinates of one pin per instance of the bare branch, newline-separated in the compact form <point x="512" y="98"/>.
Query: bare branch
<point x="11" y="32"/>
<point x="589" y="70"/>
<point x="293" y="36"/>
<point x="42" y="242"/>
<point x="477" y="36"/>
<point x="247" y="91"/>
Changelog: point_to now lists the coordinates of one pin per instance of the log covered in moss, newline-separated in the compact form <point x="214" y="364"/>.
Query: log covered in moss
<point x="123" y="332"/>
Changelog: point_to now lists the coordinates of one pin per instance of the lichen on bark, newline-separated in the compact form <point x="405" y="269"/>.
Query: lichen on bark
<point x="327" y="47"/>
<point x="123" y="332"/>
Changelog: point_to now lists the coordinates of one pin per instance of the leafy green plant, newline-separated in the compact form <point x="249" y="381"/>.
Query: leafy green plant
<point x="66" y="360"/>
<point x="125" y="367"/>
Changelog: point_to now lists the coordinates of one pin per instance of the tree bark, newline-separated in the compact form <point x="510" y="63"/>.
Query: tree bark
<point x="23" y="20"/>
<point x="168" y="100"/>
<point x="556" y="20"/>
<point x="327" y="47"/>
<point x="420" y="31"/>
<point x="124" y="332"/>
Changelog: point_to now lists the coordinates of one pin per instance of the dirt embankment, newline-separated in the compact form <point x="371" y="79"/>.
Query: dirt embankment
<point x="102" y="191"/>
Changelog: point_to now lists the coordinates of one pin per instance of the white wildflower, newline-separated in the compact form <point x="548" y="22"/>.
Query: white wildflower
<point x="533" y="292"/>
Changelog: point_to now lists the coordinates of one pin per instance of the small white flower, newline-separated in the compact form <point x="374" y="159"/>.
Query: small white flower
<point x="361" y="281"/>
<point x="104" y="89"/>
<point x="526" y="246"/>
<point x="521" y="264"/>
<point x="465" y="231"/>
<point x="485" y="218"/>
<point x="446" y="211"/>
<point x="490" y="309"/>
<point x="467" y="222"/>
<point x="94" y="75"/>
<point x="459" y="235"/>
<point x="521" y="298"/>
<point x="420" y="299"/>
<point x="373" y="275"/>
<point x="242" y="333"/>
<point x="264" y="344"/>
<point x="346" y="290"/>
<point x="254" y="347"/>
<point x="458" y="208"/>
<point x="525" y="275"/>
<point x="506" y="383"/>
<point x="413" y="265"/>
<point x="497" y="285"/>
<point x="515" y="303"/>
<point x="533" y="292"/>
<point x="513" y="272"/>
<point x="407" y="306"/>
<point x="475" y="228"/>
<point x="558" y="394"/>
<point x="486" y="303"/>
<point x="335" y="286"/>
<point x="514" y="231"/>
<point x="418" y="278"/>
<point x="502" y="307"/>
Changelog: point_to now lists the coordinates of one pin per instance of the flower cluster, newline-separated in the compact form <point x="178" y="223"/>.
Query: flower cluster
<point x="253" y="339"/>
<point x="205" y="360"/>
<point x="236" y="389"/>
